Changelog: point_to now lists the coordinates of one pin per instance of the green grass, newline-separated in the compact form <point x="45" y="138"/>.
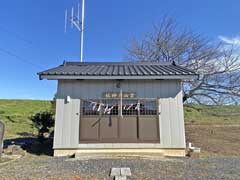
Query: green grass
<point x="15" y="114"/>
<point x="219" y="115"/>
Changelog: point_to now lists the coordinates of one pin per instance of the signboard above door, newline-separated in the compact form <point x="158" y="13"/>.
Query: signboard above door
<point x="118" y="95"/>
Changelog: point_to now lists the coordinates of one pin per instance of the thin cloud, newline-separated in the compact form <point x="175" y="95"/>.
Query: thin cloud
<point x="230" y="41"/>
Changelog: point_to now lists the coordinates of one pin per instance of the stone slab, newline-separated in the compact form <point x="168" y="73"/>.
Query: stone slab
<point x="115" y="172"/>
<point x="126" y="172"/>
<point x="120" y="178"/>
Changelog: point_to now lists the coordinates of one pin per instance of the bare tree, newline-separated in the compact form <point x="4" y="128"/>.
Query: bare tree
<point x="217" y="64"/>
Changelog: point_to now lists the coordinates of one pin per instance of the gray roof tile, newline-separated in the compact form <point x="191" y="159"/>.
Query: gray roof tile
<point x="118" y="69"/>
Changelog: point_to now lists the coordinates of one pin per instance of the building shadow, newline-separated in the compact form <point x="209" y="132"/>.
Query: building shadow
<point x="32" y="145"/>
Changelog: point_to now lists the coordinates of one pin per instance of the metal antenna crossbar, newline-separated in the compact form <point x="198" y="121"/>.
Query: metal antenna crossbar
<point x="77" y="22"/>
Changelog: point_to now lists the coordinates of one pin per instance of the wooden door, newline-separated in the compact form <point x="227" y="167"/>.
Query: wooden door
<point x="109" y="129"/>
<point x="135" y="125"/>
<point x="89" y="128"/>
<point x="109" y="121"/>
<point x="148" y="125"/>
<point x="128" y="129"/>
<point x="89" y="123"/>
<point x="128" y="123"/>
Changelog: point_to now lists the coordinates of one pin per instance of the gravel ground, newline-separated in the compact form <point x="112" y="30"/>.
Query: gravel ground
<point x="49" y="168"/>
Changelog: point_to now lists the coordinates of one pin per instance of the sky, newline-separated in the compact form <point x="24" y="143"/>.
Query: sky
<point x="32" y="37"/>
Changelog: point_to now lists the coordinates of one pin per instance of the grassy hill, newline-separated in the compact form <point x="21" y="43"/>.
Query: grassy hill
<point x="218" y="115"/>
<point x="15" y="114"/>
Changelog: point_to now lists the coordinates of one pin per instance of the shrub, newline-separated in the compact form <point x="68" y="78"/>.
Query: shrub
<point x="43" y="122"/>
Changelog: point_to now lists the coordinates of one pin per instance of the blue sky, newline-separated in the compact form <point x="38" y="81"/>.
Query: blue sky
<point x="32" y="35"/>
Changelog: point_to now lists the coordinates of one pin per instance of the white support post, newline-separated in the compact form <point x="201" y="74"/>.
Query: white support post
<point x="82" y="29"/>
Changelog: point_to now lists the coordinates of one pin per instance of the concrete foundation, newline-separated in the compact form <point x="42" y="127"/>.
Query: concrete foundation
<point x="120" y="152"/>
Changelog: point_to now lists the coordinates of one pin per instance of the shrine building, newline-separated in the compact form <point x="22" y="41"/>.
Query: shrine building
<point x="119" y="107"/>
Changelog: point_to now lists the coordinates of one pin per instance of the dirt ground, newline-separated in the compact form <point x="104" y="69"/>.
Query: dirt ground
<point x="220" y="160"/>
<point x="215" y="140"/>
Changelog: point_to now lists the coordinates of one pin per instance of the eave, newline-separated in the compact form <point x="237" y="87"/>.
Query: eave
<point x="69" y="77"/>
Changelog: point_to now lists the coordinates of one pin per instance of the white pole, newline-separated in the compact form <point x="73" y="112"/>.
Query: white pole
<point x="72" y="18"/>
<point x="66" y="15"/>
<point x="82" y="29"/>
<point x="78" y="12"/>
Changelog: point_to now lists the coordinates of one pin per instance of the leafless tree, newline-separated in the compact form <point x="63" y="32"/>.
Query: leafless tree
<point x="217" y="64"/>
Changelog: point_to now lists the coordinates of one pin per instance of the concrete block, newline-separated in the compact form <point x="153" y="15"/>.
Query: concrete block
<point x="115" y="172"/>
<point x="126" y="172"/>
<point x="120" y="178"/>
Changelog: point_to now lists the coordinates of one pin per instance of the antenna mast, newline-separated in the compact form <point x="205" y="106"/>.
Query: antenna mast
<point x="78" y="23"/>
<point x="82" y="30"/>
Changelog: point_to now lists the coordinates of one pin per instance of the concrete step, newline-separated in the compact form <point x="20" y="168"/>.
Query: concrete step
<point x="119" y="156"/>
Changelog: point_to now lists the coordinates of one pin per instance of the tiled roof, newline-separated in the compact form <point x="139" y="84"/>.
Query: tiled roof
<point x="122" y="69"/>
